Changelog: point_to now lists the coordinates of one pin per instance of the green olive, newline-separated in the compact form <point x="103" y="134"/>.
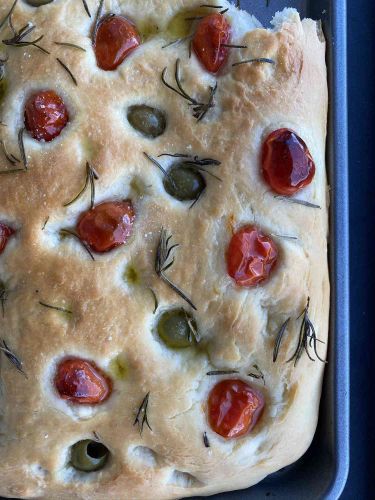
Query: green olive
<point x="184" y="182"/>
<point x="177" y="328"/>
<point x="88" y="455"/>
<point x="38" y="3"/>
<point x="150" y="122"/>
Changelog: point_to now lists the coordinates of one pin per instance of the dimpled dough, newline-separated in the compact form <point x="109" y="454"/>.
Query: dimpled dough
<point x="112" y="317"/>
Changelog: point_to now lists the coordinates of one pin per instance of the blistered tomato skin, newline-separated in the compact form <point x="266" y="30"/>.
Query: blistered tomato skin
<point x="251" y="256"/>
<point x="81" y="382"/>
<point x="115" y="38"/>
<point x="45" y="115"/>
<point x="234" y="408"/>
<point x="5" y="233"/>
<point x="212" y="32"/>
<point x="287" y="164"/>
<point x="106" y="226"/>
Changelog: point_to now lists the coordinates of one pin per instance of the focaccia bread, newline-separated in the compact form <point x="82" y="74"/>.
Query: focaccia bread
<point x="131" y="368"/>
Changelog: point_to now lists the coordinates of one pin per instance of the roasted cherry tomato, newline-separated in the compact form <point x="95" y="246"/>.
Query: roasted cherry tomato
<point x="212" y="32"/>
<point x="286" y="162"/>
<point x="107" y="225"/>
<point x="5" y="233"/>
<point x="45" y="115"/>
<point x="234" y="408"/>
<point x="251" y="256"/>
<point x="82" y="382"/>
<point x="115" y="38"/>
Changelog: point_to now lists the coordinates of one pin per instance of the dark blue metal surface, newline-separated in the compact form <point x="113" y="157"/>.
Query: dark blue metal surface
<point x="322" y="472"/>
<point x="361" y="78"/>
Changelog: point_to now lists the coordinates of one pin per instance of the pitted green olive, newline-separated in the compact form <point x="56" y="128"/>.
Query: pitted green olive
<point x="177" y="328"/>
<point x="88" y="455"/>
<point x="38" y="3"/>
<point x="184" y="182"/>
<point x="150" y="122"/>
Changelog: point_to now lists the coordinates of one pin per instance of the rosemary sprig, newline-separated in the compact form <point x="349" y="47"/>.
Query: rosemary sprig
<point x="141" y="419"/>
<point x="96" y="21"/>
<point x="91" y="177"/>
<point x="86" y="8"/>
<point x="163" y="262"/>
<point x="258" y="375"/>
<point x="45" y="223"/>
<point x="284" y="236"/>
<point x="193" y="332"/>
<point x="279" y="339"/>
<point x="12" y="171"/>
<point x="177" y="41"/>
<point x="296" y="201"/>
<point x="64" y="66"/>
<point x="10" y="157"/>
<point x="3" y="297"/>
<point x="69" y="232"/>
<point x="193" y="159"/>
<point x="56" y="308"/>
<point x="222" y="372"/>
<point x="307" y="338"/>
<point x="18" y="39"/>
<point x="231" y="46"/>
<point x="97" y="437"/>
<point x="71" y="45"/>
<point x="12" y="357"/>
<point x="155" y="162"/>
<point x="205" y="440"/>
<point x="21" y="146"/>
<point x="156" y="302"/>
<point x="255" y="60"/>
<point x="9" y="14"/>
<point x="200" y="109"/>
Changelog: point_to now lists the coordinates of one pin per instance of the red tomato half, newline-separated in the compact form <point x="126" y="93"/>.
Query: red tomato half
<point x="212" y="32"/>
<point x="5" y="233"/>
<point x="45" y="115"/>
<point x="115" y="38"/>
<point x="251" y="256"/>
<point x="234" y="408"/>
<point x="107" y="225"/>
<point x="287" y="164"/>
<point x="81" y="382"/>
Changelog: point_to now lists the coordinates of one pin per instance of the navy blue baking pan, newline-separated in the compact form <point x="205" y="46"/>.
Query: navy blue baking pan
<point x="322" y="472"/>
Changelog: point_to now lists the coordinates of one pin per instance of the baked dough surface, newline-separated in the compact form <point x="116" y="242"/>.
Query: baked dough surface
<point x="113" y="319"/>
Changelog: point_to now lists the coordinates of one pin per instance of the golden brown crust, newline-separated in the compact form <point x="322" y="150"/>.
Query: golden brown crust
<point x="111" y="318"/>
